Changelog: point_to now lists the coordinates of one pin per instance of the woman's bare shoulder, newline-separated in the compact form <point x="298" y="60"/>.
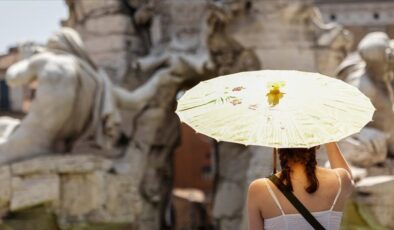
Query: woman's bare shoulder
<point x="258" y="184"/>
<point x="258" y="193"/>
<point x="346" y="179"/>
<point x="258" y="188"/>
<point x="347" y="183"/>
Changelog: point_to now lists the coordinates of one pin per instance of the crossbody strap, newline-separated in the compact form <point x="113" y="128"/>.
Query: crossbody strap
<point x="296" y="203"/>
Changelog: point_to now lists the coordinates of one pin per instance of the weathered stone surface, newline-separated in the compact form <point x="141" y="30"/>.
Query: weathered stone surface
<point x="234" y="159"/>
<point x="61" y="164"/>
<point x="100" y="7"/>
<point x="367" y="69"/>
<point x="385" y="168"/>
<point x="260" y="163"/>
<point x="35" y="218"/>
<point x="366" y="148"/>
<point x="229" y="200"/>
<point x="108" y="24"/>
<point x="114" y="59"/>
<point x="5" y="185"/>
<point x="81" y="193"/>
<point x="34" y="190"/>
<point x="122" y="202"/>
<point x="113" y="42"/>
<point x="230" y="223"/>
<point x="374" y="193"/>
<point x="151" y="118"/>
<point x="7" y="125"/>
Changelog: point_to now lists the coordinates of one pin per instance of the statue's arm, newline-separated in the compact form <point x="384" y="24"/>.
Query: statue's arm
<point x="137" y="99"/>
<point x="151" y="63"/>
<point x="126" y="100"/>
<point x="20" y="73"/>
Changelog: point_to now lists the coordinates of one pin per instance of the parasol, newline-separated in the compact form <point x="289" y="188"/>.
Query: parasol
<point x="275" y="108"/>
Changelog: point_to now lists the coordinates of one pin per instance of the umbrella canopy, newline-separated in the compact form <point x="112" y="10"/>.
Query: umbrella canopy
<point x="275" y="108"/>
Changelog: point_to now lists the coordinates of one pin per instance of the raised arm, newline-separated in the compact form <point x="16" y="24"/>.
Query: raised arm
<point x="20" y="73"/>
<point x="336" y="158"/>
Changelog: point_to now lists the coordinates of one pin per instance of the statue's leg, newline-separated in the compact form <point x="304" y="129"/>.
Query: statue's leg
<point x="24" y="143"/>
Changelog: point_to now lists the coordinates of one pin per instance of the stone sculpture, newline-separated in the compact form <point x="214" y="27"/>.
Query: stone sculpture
<point x="333" y="41"/>
<point x="371" y="70"/>
<point x="229" y="56"/>
<point x="74" y="101"/>
<point x="194" y="51"/>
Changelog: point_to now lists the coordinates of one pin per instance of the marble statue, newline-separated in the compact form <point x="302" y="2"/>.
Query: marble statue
<point x="371" y="70"/>
<point x="74" y="101"/>
<point x="333" y="41"/>
<point x="194" y="47"/>
<point x="233" y="160"/>
<point x="227" y="54"/>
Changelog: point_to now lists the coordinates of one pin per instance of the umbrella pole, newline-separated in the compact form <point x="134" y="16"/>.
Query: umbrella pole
<point x="274" y="153"/>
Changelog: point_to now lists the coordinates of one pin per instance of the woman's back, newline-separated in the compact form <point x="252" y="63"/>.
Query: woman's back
<point x="326" y="203"/>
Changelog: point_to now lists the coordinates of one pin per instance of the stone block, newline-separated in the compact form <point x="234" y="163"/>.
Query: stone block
<point x="122" y="203"/>
<point x="61" y="164"/>
<point x="375" y="193"/>
<point x="34" y="190"/>
<point x="89" y="6"/>
<point x="109" y="43"/>
<point x="5" y="185"/>
<point x="385" y="168"/>
<point x="81" y="193"/>
<point x="291" y="58"/>
<point x="108" y="24"/>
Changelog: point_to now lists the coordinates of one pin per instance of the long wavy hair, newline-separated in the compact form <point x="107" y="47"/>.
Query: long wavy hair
<point x="307" y="157"/>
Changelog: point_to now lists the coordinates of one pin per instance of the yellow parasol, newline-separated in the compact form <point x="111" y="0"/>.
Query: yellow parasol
<point x="275" y="108"/>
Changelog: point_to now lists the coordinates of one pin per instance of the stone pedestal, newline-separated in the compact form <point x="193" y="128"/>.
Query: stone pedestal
<point x="75" y="190"/>
<point x="374" y="193"/>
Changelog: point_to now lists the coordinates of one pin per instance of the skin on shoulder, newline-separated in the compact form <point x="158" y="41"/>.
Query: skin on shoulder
<point x="257" y="191"/>
<point x="346" y="180"/>
<point x="255" y="194"/>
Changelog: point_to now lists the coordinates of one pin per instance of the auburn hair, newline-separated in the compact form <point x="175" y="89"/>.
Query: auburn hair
<point x="307" y="157"/>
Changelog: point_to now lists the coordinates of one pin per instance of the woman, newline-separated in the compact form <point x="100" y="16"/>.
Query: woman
<point x="322" y="191"/>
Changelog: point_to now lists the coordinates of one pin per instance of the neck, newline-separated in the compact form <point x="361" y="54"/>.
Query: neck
<point x="297" y="170"/>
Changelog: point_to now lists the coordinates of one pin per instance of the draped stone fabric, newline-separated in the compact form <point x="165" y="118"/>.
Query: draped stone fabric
<point x="96" y="116"/>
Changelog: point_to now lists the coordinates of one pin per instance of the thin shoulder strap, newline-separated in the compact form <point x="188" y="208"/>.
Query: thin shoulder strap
<point x="296" y="203"/>
<point x="339" y="190"/>
<point x="274" y="197"/>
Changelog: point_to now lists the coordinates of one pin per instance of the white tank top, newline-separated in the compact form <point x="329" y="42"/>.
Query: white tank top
<point x="330" y="219"/>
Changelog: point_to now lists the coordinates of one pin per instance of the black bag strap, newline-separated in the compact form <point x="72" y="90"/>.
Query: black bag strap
<point x="296" y="203"/>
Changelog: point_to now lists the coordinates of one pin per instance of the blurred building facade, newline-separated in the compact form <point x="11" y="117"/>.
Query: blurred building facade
<point x="360" y="16"/>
